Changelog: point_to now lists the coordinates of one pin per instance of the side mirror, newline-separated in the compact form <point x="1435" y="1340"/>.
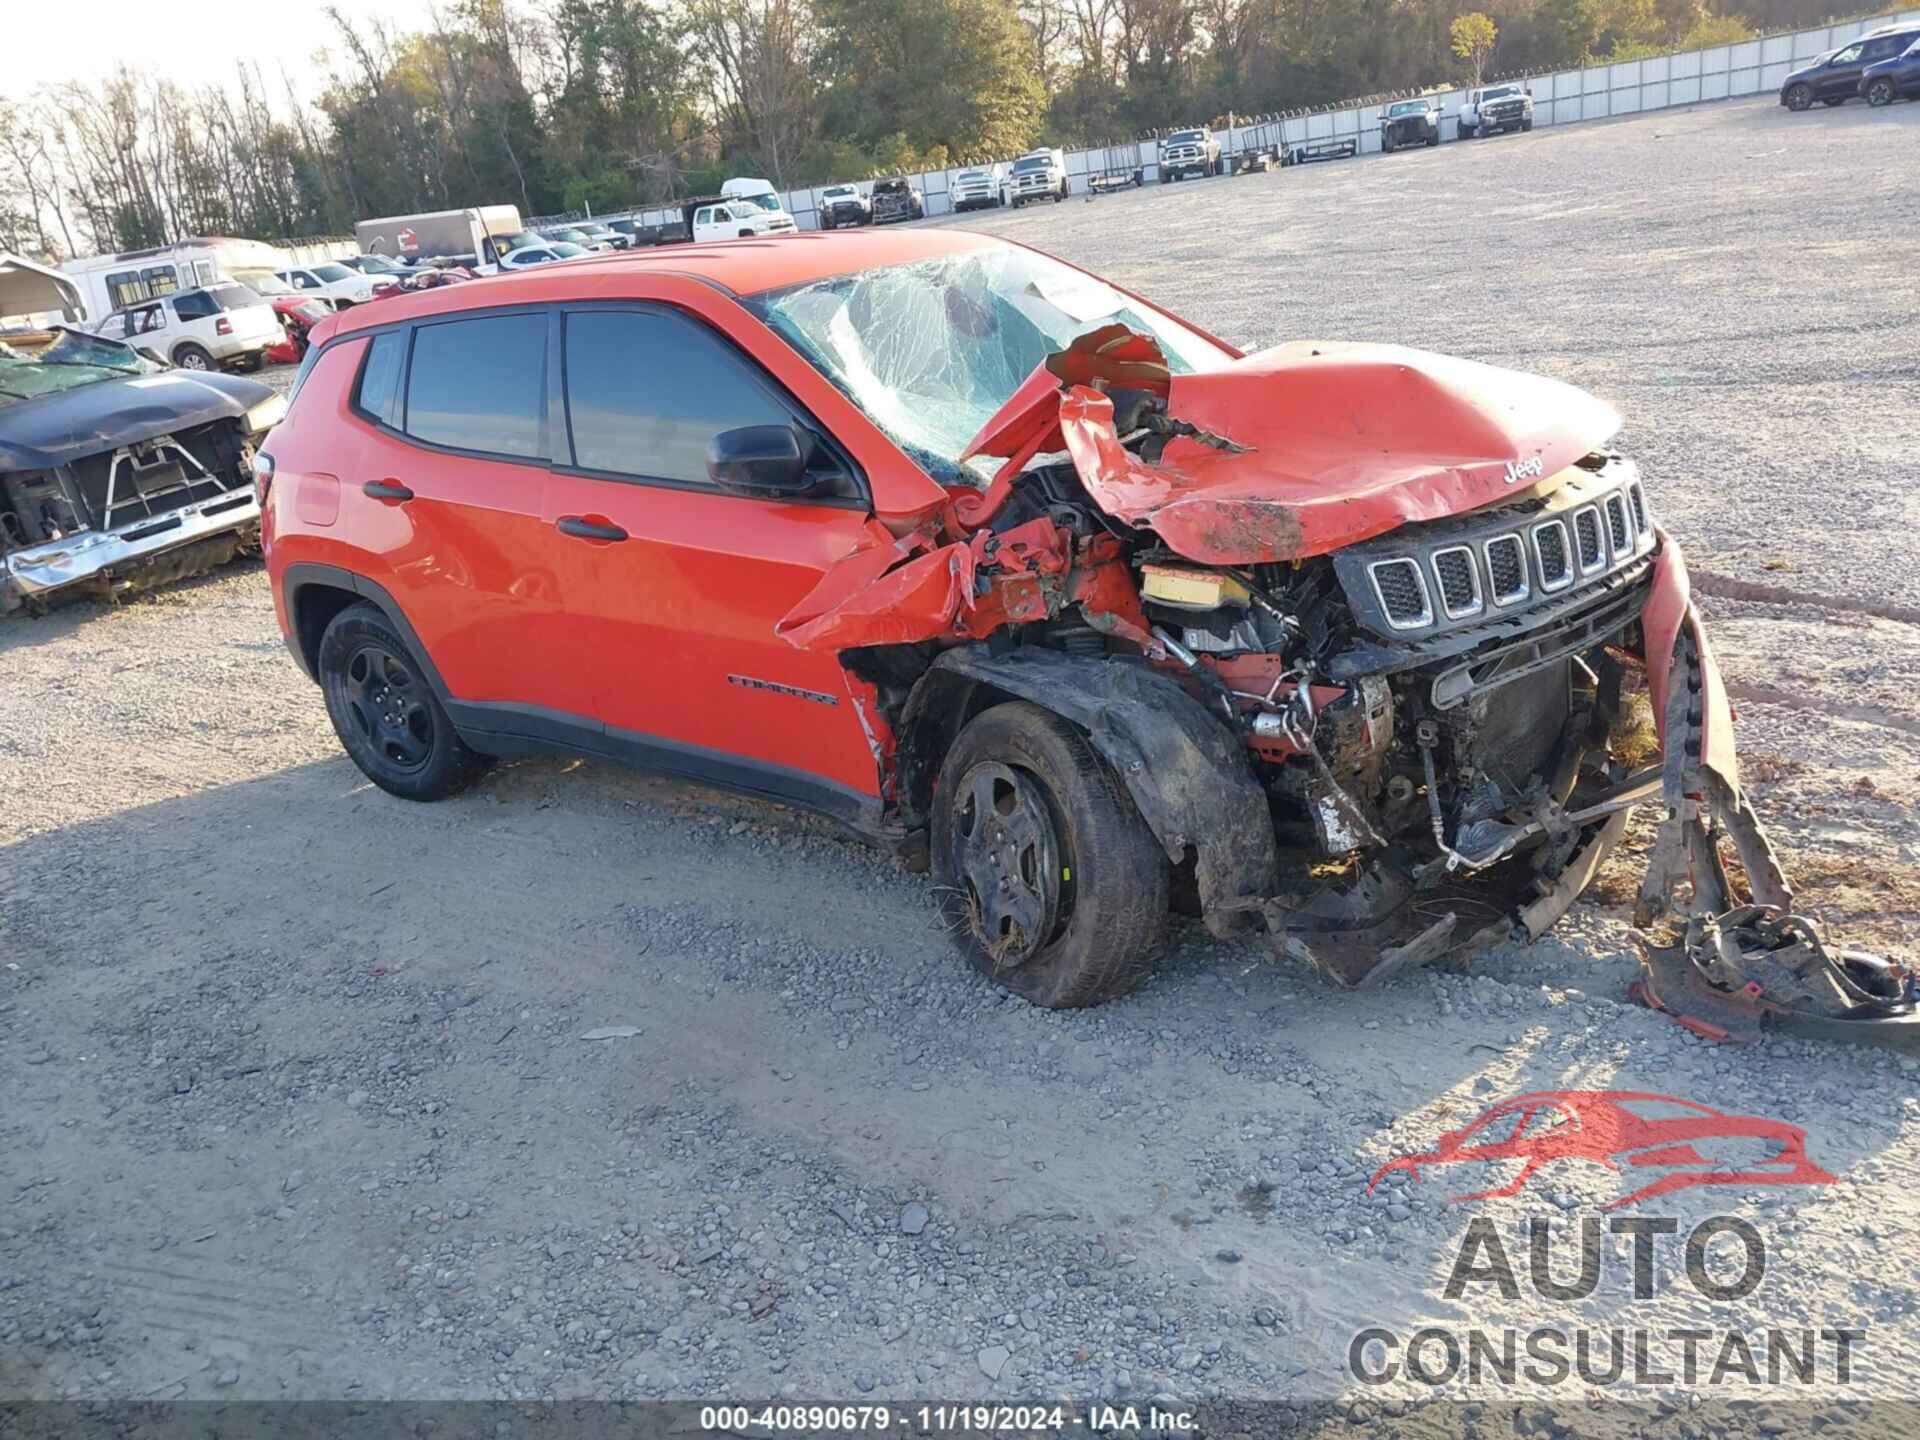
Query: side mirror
<point x="764" y="460"/>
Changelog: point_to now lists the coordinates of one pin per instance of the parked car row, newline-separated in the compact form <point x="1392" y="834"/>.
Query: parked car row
<point x="1881" y="66"/>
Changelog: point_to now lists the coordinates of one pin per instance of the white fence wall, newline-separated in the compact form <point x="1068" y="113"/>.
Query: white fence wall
<point x="1563" y="97"/>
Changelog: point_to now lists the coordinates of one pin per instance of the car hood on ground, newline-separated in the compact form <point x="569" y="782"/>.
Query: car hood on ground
<point x="69" y="425"/>
<point x="1303" y="449"/>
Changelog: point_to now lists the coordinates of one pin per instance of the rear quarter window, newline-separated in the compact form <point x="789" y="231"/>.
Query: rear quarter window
<point x="377" y="395"/>
<point x="481" y="384"/>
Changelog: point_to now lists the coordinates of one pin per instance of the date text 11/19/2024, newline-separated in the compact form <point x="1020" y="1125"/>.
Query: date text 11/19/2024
<point x="934" y="1419"/>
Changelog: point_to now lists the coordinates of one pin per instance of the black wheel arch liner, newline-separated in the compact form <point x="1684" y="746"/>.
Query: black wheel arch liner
<point x="1187" y="773"/>
<point x="306" y="575"/>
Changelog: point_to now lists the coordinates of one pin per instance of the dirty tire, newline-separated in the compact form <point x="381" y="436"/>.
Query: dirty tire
<point x="1800" y="97"/>
<point x="1105" y="894"/>
<point x="192" y="357"/>
<point x="1880" y="92"/>
<point x="385" y="713"/>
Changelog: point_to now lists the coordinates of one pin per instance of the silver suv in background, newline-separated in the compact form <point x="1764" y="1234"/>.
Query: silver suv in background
<point x="221" y="326"/>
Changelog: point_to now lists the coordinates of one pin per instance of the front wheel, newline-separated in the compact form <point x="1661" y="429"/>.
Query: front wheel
<point x="1466" y="132"/>
<point x="1799" y="97"/>
<point x="1433" y="140"/>
<point x="1880" y="92"/>
<point x="1050" y="881"/>
<point x="1525" y="126"/>
<point x="388" y="720"/>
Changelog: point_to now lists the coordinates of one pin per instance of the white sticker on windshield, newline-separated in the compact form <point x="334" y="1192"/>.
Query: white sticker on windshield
<point x="1074" y="294"/>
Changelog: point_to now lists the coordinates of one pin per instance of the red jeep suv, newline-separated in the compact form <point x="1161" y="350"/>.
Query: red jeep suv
<point x="975" y="550"/>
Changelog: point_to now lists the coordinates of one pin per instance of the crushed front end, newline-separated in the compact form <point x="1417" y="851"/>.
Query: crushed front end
<point x="116" y="473"/>
<point x="1416" y="629"/>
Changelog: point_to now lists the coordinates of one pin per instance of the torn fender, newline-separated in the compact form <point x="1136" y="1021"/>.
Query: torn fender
<point x="1670" y="607"/>
<point x="886" y="591"/>
<point x="1328" y="445"/>
<point x="904" y="591"/>
<point x="1187" y="773"/>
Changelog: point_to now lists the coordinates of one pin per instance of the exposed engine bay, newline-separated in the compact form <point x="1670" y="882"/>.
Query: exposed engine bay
<point x="1401" y="736"/>
<point x="118" y="472"/>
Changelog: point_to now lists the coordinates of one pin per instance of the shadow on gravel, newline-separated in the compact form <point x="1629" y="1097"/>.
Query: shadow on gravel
<point x="304" y="1051"/>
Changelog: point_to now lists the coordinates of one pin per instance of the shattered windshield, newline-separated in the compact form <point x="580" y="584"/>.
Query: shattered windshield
<point x="71" y="361"/>
<point x="930" y="350"/>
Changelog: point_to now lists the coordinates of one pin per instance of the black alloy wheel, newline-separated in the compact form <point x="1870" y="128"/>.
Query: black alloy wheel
<point x="389" y="705"/>
<point x="385" y="712"/>
<point x="1799" y="97"/>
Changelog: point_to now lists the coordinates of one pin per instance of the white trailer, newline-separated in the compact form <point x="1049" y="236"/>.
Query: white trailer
<point x="114" y="282"/>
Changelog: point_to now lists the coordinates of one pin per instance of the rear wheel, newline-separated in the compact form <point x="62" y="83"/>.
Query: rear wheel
<point x="385" y="713"/>
<point x="1051" y="883"/>
<point x="1799" y="97"/>
<point x="192" y="357"/>
<point x="1880" y="92"/>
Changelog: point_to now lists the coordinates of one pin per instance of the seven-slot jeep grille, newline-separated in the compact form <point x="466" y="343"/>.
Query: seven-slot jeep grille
<point x="1462" y="571"/>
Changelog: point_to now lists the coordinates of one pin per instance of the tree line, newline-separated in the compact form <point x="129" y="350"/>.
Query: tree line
<point x="568" y="105"/>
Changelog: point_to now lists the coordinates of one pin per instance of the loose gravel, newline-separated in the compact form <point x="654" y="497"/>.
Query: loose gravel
<point x="592" y="1084"/>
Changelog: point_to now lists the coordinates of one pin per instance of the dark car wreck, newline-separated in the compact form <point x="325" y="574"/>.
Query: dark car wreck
<point x="117" y="470"/>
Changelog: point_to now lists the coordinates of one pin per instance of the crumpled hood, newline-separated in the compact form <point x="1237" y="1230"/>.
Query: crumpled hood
<point x="69" y="425"/>
<point x="1310" y="447"/>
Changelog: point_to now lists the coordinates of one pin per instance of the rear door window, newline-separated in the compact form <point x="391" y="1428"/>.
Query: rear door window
<point x="647" y="390"/>
<point x="481" y="384"/>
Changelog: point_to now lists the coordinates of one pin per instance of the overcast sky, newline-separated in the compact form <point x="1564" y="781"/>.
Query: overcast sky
<point x="198" y="44"/>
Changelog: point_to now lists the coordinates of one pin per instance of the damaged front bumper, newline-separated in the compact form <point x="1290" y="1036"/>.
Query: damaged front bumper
<point x="107" y="560"/>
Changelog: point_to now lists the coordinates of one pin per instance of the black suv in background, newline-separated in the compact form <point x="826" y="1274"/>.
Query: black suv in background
<point x="1834" y="79"/>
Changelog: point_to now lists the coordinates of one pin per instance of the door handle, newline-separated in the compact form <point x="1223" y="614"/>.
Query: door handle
<point x="386" y="490"/>
<point x="582" y="528"/>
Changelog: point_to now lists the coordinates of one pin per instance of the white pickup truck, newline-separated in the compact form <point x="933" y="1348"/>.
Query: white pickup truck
<point x="735" y="219"/>
<point x="1189" y="153"/>
<point x="1040" y="175"/>
<point x="1494" y="108"/>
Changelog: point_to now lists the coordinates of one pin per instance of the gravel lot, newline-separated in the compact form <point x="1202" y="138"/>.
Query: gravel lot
<point x="302" y="1099"/>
